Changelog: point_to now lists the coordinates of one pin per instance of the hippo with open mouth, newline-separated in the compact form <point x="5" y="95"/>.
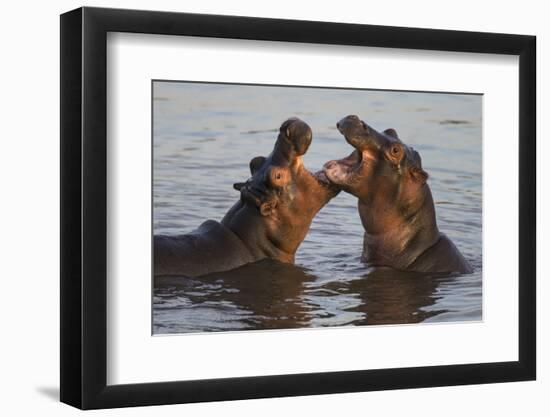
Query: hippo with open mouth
<point x="395" y="202"/>
<point x="271" y="219"/>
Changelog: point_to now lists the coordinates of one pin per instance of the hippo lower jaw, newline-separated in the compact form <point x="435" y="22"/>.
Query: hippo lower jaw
<point x="341" y="171"/>
<point x="325" y="181"/>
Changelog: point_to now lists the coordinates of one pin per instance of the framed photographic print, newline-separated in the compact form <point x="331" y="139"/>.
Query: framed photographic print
<point x="258" y="207"/>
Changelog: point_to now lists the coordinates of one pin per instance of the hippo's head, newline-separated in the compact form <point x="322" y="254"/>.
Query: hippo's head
<point x="395" y="202"/>
<point x="380" y="168"/>
<point x="283" y="193"/>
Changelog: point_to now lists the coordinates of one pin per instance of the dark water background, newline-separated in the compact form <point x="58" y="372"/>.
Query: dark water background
<point x="204" y="136"/>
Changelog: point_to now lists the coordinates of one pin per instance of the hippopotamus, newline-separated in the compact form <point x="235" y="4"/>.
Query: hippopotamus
<point x="270" y="220"/>
<point x="394" y="201"/>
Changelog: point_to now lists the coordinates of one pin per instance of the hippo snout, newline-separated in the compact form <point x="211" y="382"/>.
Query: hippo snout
<point x="358" y="134"/>
<point x="351" y="123"/>
<point x="298" y="133"/>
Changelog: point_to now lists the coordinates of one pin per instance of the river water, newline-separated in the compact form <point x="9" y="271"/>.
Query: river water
<point x="204" y="136"/>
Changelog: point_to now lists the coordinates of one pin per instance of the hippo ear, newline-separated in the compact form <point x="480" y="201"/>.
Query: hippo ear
<point x="237" y="186"/>
<point x="256" y="163"/>
<point x="418" y="174"/>
<point x="266" y="209"/>
<point x="391" y="132"/>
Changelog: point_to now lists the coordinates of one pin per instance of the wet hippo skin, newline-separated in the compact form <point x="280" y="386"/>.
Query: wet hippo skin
<point x="395" y="202"/>
<point x="270" y="220"/>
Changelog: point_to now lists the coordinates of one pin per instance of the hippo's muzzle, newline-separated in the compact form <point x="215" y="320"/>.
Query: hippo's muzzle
<point x="359" y="135"/>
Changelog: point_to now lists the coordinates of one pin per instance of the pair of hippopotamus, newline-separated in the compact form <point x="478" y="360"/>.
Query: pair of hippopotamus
<point x="281" y="198"/>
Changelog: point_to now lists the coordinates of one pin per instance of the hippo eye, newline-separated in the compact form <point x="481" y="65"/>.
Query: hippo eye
<point x="278" y="177"/>
<point x="395" y="150"/>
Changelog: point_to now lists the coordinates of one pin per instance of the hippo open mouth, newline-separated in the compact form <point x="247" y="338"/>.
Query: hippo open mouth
<point x="278" y="179"/>
<point x="366" y="143"/>
<point x="341" y="171"/>
<point x="322" y="179"/>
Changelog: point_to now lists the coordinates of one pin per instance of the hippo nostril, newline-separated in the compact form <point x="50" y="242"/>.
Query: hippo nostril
<point x="337" y="125"/>
<point x="354" y="117"/>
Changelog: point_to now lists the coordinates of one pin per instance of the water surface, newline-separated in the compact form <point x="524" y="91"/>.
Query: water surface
<point x="204" y="136"/>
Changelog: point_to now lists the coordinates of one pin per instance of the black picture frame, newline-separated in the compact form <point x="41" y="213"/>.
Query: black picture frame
<point x="84" y="207"/>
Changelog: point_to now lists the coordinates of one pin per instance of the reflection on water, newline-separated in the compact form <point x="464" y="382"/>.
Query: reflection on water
<point x="264" y="295"/>
<point x="204" y="137"/>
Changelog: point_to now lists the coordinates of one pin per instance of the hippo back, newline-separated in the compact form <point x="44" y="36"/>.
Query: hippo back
<point x="441" y="257"/>
<point x="210" y="248"/>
